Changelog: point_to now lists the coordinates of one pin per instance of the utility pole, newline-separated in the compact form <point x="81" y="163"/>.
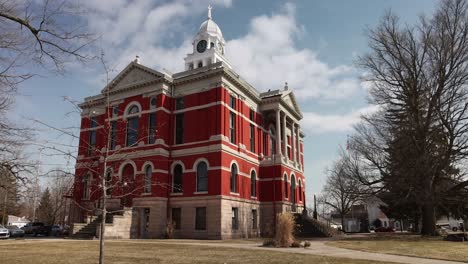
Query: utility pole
<point x="36" y="181"/>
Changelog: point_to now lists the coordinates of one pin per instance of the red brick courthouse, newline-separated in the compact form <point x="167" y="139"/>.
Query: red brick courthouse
<point x="202" y="149"/>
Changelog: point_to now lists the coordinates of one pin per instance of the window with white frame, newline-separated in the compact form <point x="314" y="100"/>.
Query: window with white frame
<point x="86" y="186"/>
<point x="202" y="177"/>
<point x="177" y="179"/>
<point x="148" y="176"/>
<point x="233" y="180"/>
<point x="253" y="184"/>
<point x="132" y="125"/>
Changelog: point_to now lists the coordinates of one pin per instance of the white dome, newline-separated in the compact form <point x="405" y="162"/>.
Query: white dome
<point x="210" y="27"/>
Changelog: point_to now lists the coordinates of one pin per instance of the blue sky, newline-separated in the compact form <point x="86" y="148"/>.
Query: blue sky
<point x="310" y="44"/>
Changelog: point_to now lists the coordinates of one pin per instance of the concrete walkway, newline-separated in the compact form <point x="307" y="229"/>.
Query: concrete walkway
<point x="318" y="248"/>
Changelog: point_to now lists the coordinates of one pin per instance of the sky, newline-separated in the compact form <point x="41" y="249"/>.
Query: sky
<point x="311" y="44"/>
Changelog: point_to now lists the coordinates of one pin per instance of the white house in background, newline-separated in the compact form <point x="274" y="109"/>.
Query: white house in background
<point x="450" y="223"/>
<point x="17" y="221"/>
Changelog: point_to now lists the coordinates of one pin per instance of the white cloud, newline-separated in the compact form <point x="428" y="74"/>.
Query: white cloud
<point x="266" y="56"/>
<point x="318" y="123"/>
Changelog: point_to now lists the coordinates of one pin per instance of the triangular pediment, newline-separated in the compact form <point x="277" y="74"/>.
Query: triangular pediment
<point x="132" y="75"/>
<point x="290" y="100"/>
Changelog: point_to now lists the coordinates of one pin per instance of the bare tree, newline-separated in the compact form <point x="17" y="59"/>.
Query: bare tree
<point x="341" y="190"/>
<point x="35" y="34"/>
<point x="416" y="145"/>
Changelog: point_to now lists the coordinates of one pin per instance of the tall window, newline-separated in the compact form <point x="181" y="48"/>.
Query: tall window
<point x="179" y="128"/>
<point x="254" y="219"/>
<point x="176" y="214"/>
<point x="113" y="135"/>
<point x="272" y="141"/>
<point x="92" y="135"/>
<point x="180" y="103"/>
<point x="235" y="218"/>
<point x="200" y="218"/>
<point x="251" y="115"/>
<point x="234" y="178"/>
<point x="300" y="190"/>
<point x="253" y="184"/>
<point x="252" y="138"/>
<point x="202" y="177"/>
<point x="153" y="102"/>
<point x="265" y="142"/>
<point x="148" y="175"/>
<point x="177" y="179"/>
<point x="285" y="186"/>
<point x="86" y="186"/>
<point x="115" y="111"/>
<point x="152" y="128"/>
<point x="109" y="183"/>
<point x="232" y="102"/>
<point x="132" y="126"/>
<point x="293" y="189"/>
<point x="232" y="127"/>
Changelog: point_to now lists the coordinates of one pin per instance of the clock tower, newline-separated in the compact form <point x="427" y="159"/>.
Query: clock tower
<point x="208" y="46"/>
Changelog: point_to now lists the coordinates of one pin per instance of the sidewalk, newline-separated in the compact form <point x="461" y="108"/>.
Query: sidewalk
<point x="321" y="249"/>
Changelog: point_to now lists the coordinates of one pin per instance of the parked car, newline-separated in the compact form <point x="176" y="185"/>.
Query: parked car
<point x="4" y="233"/>
<point x="37" y="228"/>
<point x="56" y="230"/>
<point x="385" y="229"/>
<point x="15" y="231"/>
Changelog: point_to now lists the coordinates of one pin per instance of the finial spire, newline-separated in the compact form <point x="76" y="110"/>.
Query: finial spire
<point x="286" y="86"/>
<point x="209" y="11"/>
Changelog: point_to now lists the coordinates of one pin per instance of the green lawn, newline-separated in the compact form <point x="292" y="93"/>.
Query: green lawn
<point x="407" y="245"/>
<point x="117" y="252"/>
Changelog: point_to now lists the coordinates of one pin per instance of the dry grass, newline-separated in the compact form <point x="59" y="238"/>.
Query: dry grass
<point x="408" y="245"/>
<point x="284" y="230"/>
<point x="138" y="252"/>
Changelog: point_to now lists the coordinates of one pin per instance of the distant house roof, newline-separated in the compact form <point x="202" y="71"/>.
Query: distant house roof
<point x="17" y="219"/>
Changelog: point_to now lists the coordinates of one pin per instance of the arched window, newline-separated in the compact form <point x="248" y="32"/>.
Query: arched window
<point x="212" y="45"/>
<point x="86" y="186"/>
<point x="202" y="177"/>
<point x="128" y="178"/>
<point x="177" y="179"/>
<point x="109" y="182"/>
<point x="200" y="64"/>
<point x="272" y="141"/>
<point x="300" y="190"/>
<point x="148" y="175"/>
<point x="253" y="184"/>
<point x="285" y="179"/>
<point x="132" y="125"/>
<point x="293" y="189"/>
<point x="234" y="173"/>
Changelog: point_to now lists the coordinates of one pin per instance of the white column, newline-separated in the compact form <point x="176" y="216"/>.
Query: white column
<point x="285" y="142"/>
<point x="277" y="133"/>
<point x="293" y="140"/>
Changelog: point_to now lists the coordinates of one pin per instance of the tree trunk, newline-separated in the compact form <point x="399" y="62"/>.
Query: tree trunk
<point x="342" y="223"/>
<point x="428" y="219"/>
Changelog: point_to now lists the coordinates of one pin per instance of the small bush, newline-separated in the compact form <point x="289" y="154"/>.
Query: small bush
<point x="295" y="244"/>
<point x="269" y="243"/>
<point x="284" y="230"/>
<point x="306" y="244"/>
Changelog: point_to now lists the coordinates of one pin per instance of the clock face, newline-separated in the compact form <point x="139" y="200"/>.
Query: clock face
<point x="201" y="46"/>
